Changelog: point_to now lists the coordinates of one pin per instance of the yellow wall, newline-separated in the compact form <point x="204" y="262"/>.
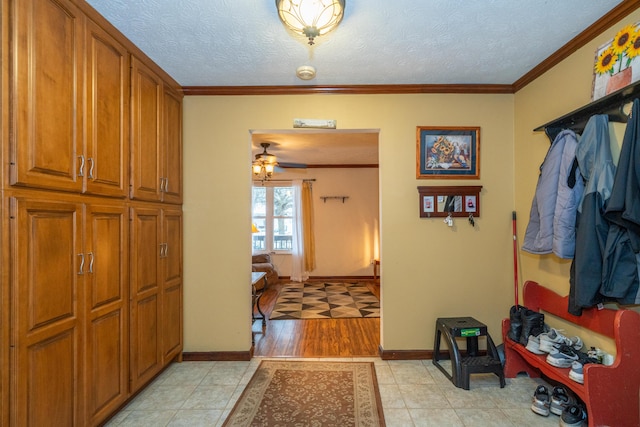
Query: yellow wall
<point x="346" y="233"/>
<point x="564" y="88"/>
<point x="428" y="269"/>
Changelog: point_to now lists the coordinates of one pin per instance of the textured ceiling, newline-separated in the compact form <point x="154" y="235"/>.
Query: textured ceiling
<point x="243" y="43"/>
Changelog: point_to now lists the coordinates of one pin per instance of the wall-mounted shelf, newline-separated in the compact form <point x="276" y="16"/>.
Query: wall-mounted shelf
<point x="612" y="105"/>
<point x="325" y="198"/>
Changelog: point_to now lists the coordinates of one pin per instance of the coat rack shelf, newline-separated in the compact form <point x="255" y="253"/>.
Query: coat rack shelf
<point x="611" y="105"/>
<point x="325" y="198"/>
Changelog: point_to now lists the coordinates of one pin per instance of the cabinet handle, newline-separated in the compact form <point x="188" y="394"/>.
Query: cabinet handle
<point x="81" y="172"/>
<point x="90" y="167"/>
<point x="166" y="250"/>
<point x="90" y="262"/>
<point x="161" y="250"/>
<point x="81" y="264"/>
<point x="166" y="185"/>
<point x="161" y="184"/>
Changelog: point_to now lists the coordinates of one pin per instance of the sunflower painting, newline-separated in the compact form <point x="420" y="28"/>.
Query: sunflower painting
<point x="448" y="152"/>
<point x="615" y="62"/>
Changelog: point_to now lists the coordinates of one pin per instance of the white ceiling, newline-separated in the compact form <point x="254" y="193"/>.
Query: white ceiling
<point x="243" y="43"/>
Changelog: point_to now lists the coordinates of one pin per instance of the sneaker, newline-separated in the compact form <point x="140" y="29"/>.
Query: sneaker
<point x="560" y="399"/>
<point x="533" y="345"/>
<point x="573" y="416"/>
<point x="554" y="339"/>
<point x="562" y="357"/>
<point x="577" y="373"/>
<point x="540" y="404"/>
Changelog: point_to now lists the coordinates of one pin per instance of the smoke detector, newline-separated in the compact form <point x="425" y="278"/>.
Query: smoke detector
<point x="306" y="72"/>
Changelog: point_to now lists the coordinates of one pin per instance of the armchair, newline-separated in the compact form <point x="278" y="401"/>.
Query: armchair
<point x="262" y="262"/>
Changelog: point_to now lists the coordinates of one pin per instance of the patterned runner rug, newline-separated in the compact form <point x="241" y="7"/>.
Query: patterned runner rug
<point x="293" y="393"/>
<point x="325" y="301"/>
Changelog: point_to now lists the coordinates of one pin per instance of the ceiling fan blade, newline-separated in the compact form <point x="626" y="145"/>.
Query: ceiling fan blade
<point x="292" y="165"/>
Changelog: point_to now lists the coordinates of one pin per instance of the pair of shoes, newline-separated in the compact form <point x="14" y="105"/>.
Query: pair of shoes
<point x="554" y="339"/>
<point x="515" y="322"/>
<point x="562" y="357"/>
<point x="560" y="400"/>
<point x="573" y="416"/>
<point x="576" y="373"/>
<point x="541" y="401"/>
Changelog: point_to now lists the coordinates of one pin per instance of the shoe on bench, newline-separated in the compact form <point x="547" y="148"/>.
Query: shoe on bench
<point x="554" y="339"/>
<point x="577" y="367"/>
<point x="540" y="403"/>
<point x="562" y="357"/>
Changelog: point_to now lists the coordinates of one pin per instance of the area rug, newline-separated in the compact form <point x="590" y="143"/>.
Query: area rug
<point x="299" y="393"/>
<point x="325" y="301"/>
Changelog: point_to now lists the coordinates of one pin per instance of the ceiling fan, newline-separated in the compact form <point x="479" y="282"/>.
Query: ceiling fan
<point x="268" y="158"/>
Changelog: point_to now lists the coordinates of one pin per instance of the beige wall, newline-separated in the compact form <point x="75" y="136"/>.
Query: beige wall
<point x="346" y="234"/>
<point x="428" y="269"/>
<point x="563" y="89"/>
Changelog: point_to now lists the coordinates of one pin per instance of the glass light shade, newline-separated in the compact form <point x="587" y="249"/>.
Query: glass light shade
<point x="311" y="18"/>
<point x="269" y="167"/>
<point x="256" y="167"/>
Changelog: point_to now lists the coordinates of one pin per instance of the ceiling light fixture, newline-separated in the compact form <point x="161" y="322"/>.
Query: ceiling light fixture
<point x="311" y="18"/>
<point x="264" y="164"/>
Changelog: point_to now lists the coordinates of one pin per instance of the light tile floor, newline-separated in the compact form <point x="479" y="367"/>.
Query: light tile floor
<point x="414" y="393"/>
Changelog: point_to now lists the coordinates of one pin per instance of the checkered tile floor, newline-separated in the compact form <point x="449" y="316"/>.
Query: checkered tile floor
<point x="325" y="301"/>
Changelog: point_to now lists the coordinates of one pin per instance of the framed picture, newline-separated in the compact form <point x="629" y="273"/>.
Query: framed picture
<point x="447" y="152"/>
<point x="617" y="62"/>
<point x="455" y="201"/>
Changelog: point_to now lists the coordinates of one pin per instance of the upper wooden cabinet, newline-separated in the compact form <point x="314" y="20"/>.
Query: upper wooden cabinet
<point x="106" y="162"/>
<point x="46" y="79"/>
<point x="156" y="137"/>
<point x="59" y="57"/>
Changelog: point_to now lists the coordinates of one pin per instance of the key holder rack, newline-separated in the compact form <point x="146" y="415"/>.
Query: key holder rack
<point x="450" y="201"/>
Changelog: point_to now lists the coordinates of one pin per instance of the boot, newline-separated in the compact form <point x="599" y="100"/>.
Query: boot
<point x="515" y="322"/>
<point x="532" y="324"/>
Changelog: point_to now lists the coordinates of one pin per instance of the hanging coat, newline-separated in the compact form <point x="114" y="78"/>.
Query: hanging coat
<point x="622" y="252"/>
<point x="552" y="218"/>
<point x="597" y="168"/>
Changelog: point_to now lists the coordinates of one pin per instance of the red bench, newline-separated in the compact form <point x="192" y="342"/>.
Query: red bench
<point x="610" y="393"/>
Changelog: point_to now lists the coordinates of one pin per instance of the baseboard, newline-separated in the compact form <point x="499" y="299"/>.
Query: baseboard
<point x="224" y="356"/>
<point x="404" y="354"/>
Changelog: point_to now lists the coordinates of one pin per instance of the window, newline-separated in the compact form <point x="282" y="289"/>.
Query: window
<point x="272" y="213"/>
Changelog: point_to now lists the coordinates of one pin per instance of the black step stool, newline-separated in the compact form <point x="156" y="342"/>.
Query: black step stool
<point x="472" y="363"/>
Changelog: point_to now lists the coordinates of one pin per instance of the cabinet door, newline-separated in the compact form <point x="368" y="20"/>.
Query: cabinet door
<point x="172" y="284"/>
<point x="107" y="337"/>
<point x="146" y="118"/>
<point x="46" y="317"/>
<point x="107" y="117"/>
<point x="46" y="94"/>
<point x="172" y="137"/>
<point x="146" y="301"/>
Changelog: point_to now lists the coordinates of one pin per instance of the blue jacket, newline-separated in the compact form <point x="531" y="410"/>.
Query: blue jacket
<point x="622" y="251"/>
<point x="597" y="168"/>
<point x="552" y="220"/>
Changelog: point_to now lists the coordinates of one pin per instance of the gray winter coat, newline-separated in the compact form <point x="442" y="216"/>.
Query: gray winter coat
<point x="552" y="219"/>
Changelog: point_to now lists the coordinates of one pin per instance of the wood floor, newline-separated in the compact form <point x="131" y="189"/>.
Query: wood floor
<point x="315" y="337"/>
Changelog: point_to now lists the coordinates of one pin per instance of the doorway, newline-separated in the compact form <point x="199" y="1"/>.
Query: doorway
<point x="336" y="161"/>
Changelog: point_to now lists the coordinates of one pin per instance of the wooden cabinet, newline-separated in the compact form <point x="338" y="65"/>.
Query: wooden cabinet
<point x="46" y="94"/>
<point x="156" y="290"/>
<point x="106" y="308"/>
<point x="156" y="137"/>
<point x="70" y="310"/>
<point x="50" y="145"/>
<point x="106" y="156"/>
<point x="89" y="126"/>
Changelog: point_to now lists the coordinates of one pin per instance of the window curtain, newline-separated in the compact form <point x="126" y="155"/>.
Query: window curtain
<point x="303" y="248"/>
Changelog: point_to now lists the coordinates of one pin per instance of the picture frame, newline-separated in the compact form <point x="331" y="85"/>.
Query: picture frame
<point x="617" y="62"/>
<point x="447" y="152"/>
